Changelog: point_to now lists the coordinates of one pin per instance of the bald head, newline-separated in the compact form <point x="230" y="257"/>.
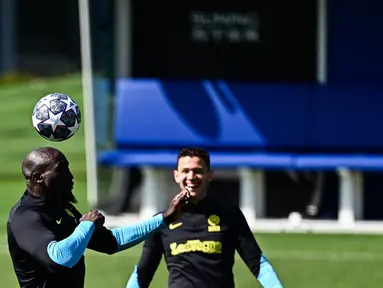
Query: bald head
<point x="48" y="175"/>
<point x="38" y="160"/>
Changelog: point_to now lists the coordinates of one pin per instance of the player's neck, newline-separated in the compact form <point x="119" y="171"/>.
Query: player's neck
<point x="35" y="191"/>
<point x="198" y="198"/>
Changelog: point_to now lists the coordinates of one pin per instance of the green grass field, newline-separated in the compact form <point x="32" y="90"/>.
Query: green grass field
<point x="305" y="260"/>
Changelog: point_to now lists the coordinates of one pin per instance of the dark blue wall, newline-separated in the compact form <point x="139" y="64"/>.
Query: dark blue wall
<point x="355" y="42"/>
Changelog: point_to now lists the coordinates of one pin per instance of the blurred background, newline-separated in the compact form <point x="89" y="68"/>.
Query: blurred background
<point x="286" y="95"/>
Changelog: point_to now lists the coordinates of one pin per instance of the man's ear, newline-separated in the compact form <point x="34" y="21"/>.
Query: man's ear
<point x="211" y="174"/>
<point x="175" y="174"/>
<point x="37" y="177"/>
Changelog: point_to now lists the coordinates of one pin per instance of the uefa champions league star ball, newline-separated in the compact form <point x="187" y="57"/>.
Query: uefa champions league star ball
<point x="56" y="117"/>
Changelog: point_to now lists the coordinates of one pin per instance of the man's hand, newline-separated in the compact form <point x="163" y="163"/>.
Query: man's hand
<point x="175" y="206"/>
<point x="94" y="216"/>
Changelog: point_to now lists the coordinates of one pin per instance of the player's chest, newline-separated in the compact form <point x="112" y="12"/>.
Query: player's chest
<point x="62" y="223"/>
<point x="198" y="232"/>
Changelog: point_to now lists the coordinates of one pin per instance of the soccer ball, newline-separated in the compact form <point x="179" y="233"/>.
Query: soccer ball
<point x="56" y="117"/>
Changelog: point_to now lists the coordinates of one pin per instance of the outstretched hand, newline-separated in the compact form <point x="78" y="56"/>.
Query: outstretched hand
<point x="175" y="207"/>
<point x="94" y="216"/>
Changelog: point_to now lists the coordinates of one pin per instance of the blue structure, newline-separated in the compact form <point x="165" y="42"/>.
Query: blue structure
<point x="333" y="125"/>
<point x="241" y="117"/>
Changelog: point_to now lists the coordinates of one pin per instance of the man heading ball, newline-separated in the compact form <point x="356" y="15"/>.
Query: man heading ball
<point x="47" y="235"/>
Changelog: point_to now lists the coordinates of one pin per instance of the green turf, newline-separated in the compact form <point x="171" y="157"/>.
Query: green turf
<point x="300" y="260"/>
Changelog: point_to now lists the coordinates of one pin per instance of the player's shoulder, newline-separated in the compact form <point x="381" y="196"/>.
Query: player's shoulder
<point x="23" y="216"/>
<point x="23" y="209"/>
<point x="224" y="207"/>
<point x="13" y="210"/>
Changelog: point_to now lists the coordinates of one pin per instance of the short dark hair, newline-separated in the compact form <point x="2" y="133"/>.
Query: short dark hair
<point x="195" y="152"/>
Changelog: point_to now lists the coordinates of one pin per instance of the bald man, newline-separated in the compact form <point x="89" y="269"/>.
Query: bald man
<point x="47" y="235"/>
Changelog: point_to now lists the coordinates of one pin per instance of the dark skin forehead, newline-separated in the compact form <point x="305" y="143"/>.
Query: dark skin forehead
<point x="41" y="160"/>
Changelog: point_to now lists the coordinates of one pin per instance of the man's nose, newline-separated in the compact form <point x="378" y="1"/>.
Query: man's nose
<point x="190" y="175"/>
